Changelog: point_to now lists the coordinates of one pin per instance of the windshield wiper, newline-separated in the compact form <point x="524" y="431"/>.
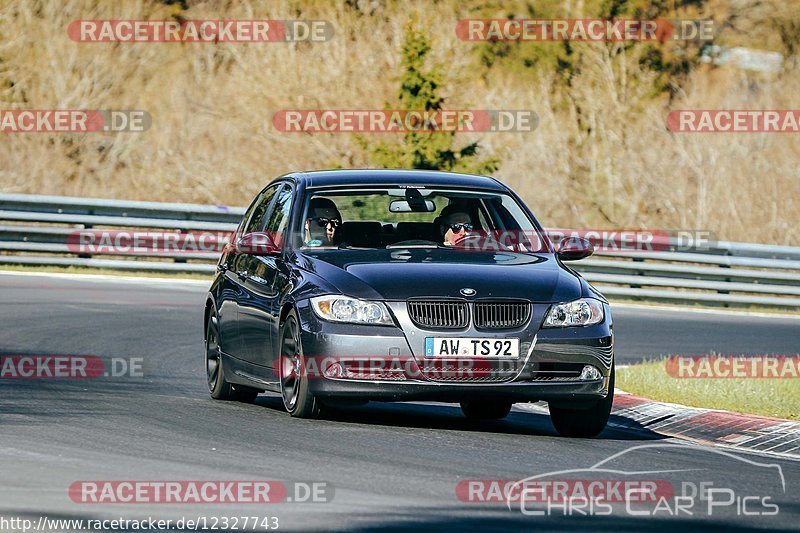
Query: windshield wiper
<point x="345" y="246"/>
<point x="421" y="245"/>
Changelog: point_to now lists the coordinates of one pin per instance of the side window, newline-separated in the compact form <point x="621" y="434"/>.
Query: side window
<point x="256" y="221"/>
<point x="279" y="216"/>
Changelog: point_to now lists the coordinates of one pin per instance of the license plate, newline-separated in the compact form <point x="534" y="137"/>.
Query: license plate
<point x="467" y="347"/>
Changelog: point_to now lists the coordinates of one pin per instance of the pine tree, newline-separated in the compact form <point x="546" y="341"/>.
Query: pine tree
<point x="419" y="90"/>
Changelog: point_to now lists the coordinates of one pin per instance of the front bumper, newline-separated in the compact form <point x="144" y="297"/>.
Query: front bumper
<point x="563" y="393"/>
<point x="545" y="370"/>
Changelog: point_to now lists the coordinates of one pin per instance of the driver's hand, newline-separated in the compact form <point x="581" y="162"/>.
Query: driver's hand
<point x="459" y="239"/>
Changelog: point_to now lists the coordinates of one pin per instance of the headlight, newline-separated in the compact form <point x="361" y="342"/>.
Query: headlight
<point x="344" y="309"/>
<point x="583" y="312"/>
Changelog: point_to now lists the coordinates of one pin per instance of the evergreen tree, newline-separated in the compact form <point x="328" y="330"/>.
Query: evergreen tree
<point x="419" y="90"/>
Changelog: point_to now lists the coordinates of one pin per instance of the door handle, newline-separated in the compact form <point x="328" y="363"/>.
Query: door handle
<point x="242" y="274"/>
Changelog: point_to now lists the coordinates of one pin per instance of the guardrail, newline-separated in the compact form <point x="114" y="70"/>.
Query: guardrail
<point x="37" y="230"/>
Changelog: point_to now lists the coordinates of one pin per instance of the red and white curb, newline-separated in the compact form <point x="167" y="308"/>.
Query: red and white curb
<point x="707" y="426"/>
<point x="761" y="434"/>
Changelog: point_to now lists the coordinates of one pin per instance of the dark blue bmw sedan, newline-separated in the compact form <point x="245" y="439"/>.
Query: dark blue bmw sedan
<point x="345" y="286"/>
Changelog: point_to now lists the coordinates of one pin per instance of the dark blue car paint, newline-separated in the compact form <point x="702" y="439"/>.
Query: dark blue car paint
<point x="250" y="311"/>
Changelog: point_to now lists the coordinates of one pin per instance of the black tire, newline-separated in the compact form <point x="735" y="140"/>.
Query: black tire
<point x="486" y="410"/>
<point x="218" y="386"/>
<point x="297" y="398"/>
<point x="584" y="423"/>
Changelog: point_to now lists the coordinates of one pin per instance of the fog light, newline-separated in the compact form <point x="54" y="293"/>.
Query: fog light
<point x="334" y="371"/>
<point x="590" y="373"/>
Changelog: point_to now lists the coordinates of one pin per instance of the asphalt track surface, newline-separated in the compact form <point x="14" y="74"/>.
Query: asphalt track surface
<point x="389" y="465"/>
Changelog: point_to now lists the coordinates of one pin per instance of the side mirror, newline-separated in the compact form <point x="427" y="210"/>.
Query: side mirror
<point x="257" y="243"/>
<point x="574" y="248"/>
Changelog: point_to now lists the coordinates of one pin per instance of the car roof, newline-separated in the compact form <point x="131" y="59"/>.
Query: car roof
<point x="326" y="178"/>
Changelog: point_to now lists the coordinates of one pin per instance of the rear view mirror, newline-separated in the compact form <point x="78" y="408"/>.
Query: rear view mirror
<point x="257" y="243"/>
<point x="574" y="248"/>
<point x="404" y="206"/>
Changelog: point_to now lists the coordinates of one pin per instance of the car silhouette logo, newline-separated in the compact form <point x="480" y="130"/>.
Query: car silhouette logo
<point x="466" y="291"/>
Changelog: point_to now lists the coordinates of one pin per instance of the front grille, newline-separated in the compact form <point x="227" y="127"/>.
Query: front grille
<point x="501" y="315"/>
<point x="440" y="314"/>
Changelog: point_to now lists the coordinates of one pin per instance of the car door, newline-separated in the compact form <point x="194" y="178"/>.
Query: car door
<point x="260" y="311"/>
<point x="235" y="273"/>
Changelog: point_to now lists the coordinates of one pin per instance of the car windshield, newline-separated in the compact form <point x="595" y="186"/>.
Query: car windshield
<point x="418" y="218"/>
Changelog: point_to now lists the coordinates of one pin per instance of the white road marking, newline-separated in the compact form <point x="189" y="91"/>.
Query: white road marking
<point x="104" y="278"/>
<point x="727" y="312"/>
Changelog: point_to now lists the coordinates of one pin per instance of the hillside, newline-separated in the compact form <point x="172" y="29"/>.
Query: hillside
<point x="601" y="156"/>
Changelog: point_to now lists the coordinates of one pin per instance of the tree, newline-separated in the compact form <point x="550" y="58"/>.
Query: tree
<point x="419" y="90"/>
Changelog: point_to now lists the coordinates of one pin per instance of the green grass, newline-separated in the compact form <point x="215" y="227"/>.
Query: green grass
<point x="767" y="397"/>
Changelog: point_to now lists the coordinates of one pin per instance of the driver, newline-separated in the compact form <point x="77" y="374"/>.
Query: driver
<point x="322" y="222"/>
<point x="454" y="224"/>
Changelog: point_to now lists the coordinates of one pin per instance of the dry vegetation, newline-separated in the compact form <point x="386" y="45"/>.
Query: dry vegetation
<point x="601" y="156"/>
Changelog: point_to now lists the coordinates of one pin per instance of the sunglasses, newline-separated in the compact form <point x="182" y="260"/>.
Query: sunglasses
<point x="323" y="222"/>
<point x="458" y="227"/>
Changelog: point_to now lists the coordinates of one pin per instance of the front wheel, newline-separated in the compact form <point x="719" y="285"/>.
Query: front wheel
<point x="218" y="386"/>
<point x="584" y="422"/>
<point x="297" y="398"/>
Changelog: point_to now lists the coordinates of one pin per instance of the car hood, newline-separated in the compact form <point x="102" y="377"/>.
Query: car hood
<point x="402" y="273"/>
